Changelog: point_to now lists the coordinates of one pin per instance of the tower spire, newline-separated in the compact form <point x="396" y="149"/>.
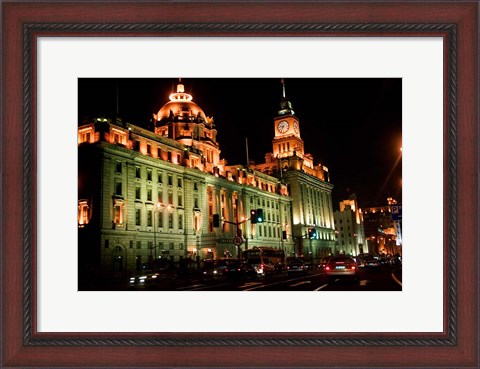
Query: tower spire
<point x="285" y="104"/>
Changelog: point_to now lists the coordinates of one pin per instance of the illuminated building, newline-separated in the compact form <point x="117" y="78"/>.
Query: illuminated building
<point x="151" y="194"/>
<point x="383" y="235"/>
<point x="349" y="228"/>
<point x="308" y="184"/>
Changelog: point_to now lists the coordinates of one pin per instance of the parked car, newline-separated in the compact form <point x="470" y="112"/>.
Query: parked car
<point x="239" y="270"/>
<point x="296" y="266"/>
<point x="341" y="267"/>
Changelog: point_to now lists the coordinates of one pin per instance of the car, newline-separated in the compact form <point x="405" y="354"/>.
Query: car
<point x="152" y="280"/>
<point x="341" y="267"/>
<point x="296" y="266"/>
<point x="372" y="264"/>
<point x="240" y="270"/>
<point x="215" y="268"/>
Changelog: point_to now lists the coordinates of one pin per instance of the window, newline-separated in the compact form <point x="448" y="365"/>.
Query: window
<point x="180" y="246"/>
<point x="149" y="149"/>
<point x="180" y="200"/>
<point x="169" y="156"/>
<point x="149" y="218"/>
<point x="118" y="188"/>
<point x="179" y="182"/>
<point x="150" y="245"/>
<point x="138" y="172"/>
<point x="170" y="198"/>
<point x="107" y="244"/>
<point x="160" y="177"/>
<point x="149" y="194"/>
<point x="180" y="221"/>
<point x="83" y="211"/>
<point x="139" y="244"/>
<point x="131" y="244"/>
<point x="160" y="196"/>
<point x="170" y="180"/>
<point x="137" y="193"/>
<point x="171" y="246"/>
<point x="137" y="217"/>
<point x="170" y="220"/>
<point x="195" y="186"/>
<point x="195" y="203"/>
<point x="118" y="212"/>
<point x="118" y="167"/>
<point x="149" y="174"/>
<point x="160" y="219"/>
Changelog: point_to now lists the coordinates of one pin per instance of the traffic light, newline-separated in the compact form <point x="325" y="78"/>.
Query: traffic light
<point x="216" y="220"/>
<point x="260" y="216"/>
<point x="312" y="233"/>
<point x="253" y="216"/>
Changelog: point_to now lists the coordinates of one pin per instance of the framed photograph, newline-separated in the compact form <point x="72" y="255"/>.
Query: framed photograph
<point x="205" y="184"/>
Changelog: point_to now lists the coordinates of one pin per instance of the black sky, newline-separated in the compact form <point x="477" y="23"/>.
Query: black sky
<point x="352" y="126"/>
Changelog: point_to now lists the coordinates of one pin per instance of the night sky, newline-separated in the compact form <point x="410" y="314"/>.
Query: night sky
<point x="352" y="126"/>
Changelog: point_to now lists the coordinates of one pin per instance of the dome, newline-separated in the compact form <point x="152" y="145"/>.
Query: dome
<point x="181" y="106"/>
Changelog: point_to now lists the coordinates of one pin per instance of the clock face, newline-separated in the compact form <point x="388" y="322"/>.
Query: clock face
<point x="282" y="126"/>
<point x="295" y="127"/>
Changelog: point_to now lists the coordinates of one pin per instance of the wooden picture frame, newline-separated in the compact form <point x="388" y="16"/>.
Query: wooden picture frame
<point x="23" y="346"/>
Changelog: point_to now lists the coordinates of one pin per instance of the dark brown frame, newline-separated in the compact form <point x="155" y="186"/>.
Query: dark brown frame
<point x="456" y="346"/>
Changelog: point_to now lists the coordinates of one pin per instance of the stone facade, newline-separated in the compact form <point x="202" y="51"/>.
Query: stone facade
<point x="151" y="194"/>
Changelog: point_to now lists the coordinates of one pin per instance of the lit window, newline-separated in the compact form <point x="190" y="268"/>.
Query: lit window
<point x="118" y="211"/>
<point x="83" y="213"/>
<point x="85" y="135"/>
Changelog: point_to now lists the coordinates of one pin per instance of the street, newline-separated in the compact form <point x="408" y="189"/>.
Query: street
<point x="383" y="278"/>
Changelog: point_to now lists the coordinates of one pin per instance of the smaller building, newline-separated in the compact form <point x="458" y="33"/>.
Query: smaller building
<point x="349" y="228"/>
<point x="383" y="234"/>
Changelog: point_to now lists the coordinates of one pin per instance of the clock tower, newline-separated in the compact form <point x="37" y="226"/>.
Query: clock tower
<point x="287" y="141"/>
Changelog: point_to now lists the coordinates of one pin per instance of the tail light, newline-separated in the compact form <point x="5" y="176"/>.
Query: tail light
<point x="301" y="266"/>
<point x="262" y="266"/>
<point x="238" y="269"/>
<point x="327" y="268"/>
<point x="353" y="267"/>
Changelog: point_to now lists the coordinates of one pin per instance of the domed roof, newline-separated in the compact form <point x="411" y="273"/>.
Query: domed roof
<point x="180" y="106"/>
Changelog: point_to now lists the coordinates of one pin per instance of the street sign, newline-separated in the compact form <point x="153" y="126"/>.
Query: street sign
<point x="237" y="240"/>
<point x="397" y="212"/>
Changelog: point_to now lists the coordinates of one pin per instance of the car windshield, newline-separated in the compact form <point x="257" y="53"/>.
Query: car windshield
<point x="295" y="262"/>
